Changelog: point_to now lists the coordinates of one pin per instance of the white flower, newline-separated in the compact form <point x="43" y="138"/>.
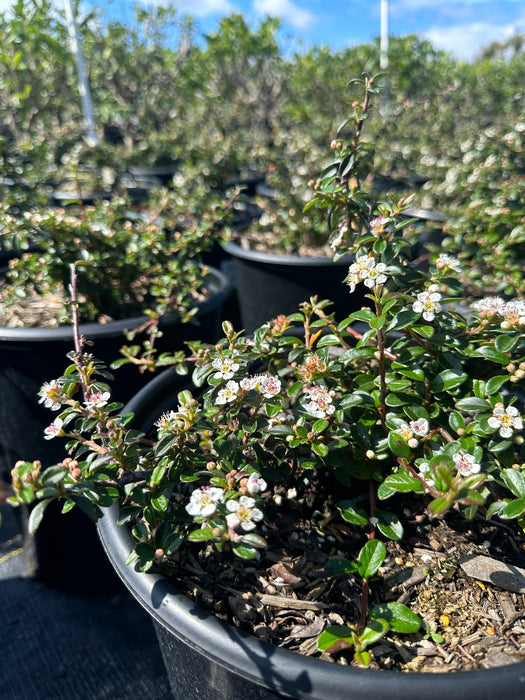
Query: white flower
<point x="243" y="513"/>
<point x="50" y="395"/>
<point x="419" y="427"/>
<point x="413" y="430"/>
<point x="507" y="420"/>
<point x="268" y="385"/>
<point x="426" y="474"/>
<point x="365" y="269"/>
<point x="448" y="261"/>
<point x="377" y="226"/>
<point x="320" y="402"/>
<point x="265" y="384"/>
<point x="513" y="313"/>
<point x="225" y="366"/>
<point x="255" y="483"/>
<point x="428" y="303"/>
<point x="248" y="383"/>
<point x="466" y="464"/>
<point x="97" y="399"/>
<point x="203" y="501"/>
<point x="228" y="393"/>
<point x="166" y="421"/>
<point x="54" y="429"/>
<point x="291" y="494"/>
<point x="376" y="275"/>
<point x="489" y="306"/>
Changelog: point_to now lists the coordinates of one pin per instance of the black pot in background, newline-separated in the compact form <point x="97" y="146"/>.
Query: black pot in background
<point x="269" y="285"/>
<point x="163" y="174"/>
<point x="429" y="225"/>
<point x="209" y="658"/>
<point x="31" y="356"/>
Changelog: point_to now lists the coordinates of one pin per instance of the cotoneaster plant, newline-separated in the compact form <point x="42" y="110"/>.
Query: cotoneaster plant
<point x="312" y="434"/>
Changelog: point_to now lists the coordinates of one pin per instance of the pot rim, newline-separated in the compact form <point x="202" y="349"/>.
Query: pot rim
<point x="283" y="670"/>
<point x="215" y="279"/>
<point x="238" y="251"/>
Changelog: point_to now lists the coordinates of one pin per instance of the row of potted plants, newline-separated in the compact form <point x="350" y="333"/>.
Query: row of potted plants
<point x="309" y="463"/>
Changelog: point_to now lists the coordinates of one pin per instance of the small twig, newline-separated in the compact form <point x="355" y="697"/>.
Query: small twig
<point x="77" y="338"/>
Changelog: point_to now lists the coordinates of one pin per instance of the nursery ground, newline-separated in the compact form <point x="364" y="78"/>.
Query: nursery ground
<point x="67" y="645"/>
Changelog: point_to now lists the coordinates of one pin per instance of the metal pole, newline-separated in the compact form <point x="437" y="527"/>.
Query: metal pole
<point x="383" y="52"/>
<point x="83" y="85"/>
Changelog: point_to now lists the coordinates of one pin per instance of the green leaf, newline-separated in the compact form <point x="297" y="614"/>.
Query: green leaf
<point x="373" y="632"/>
<point x="320" y="449"/>
<point x="339" y="567"/>
<point x="254" y="540"/>
<point x="514" y="481"/>
<point x="244" y="552"/>
<point x="171" y="542"/>
<point x="160" y="503"/>
<point x="513" y="509"/>
<point x="439" y="506"/>
<point x="398" y="399"/>
<point x="351" y="514"/>
<point x="403" y="482"/>
<point x="491" y="353"/>
<point x="145" y="550"/>
<point x="456" y="421"/>
<point x="371" y="557"/>
<point x="446" y="380"/>
<point x="37" y="513"/>
<point x="424" y="331"/>
<point x="54" y="475"/>
<point x="473" y="403"/>
<point x="389" y="525"/>
<point x="362" y="315"/>
<point x="399" y="617"/>
<point x="402" y="320"/>
<point x="505" y="343"/>
<point x="320" y="425"/>
<point x="203" y="533"/>
<point x="398" y="445"/>
<point x="336" y="638"/>
<point x="294" y="389"/>
<point x="494" y="384"/>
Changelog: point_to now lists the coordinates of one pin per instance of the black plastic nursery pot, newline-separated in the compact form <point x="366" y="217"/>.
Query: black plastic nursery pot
<point x="269" y="284"/>
<point x="31" y="356"/>
<point x="210" y="659"/>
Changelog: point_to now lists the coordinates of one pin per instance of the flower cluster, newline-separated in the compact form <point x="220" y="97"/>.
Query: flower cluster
<point x="366" y="269"/>
<point x="413" y="431"/>
<point x="510" y="314"/>
<point x="319" y="402"/>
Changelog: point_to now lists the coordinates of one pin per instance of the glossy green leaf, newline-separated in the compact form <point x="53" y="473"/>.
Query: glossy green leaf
<point x="399" y="617"/>
<point x="371" y="557"/>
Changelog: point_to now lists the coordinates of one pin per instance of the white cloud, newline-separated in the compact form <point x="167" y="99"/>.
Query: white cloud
<point x="287" y="10"/>
<point x="464" y="41"/>
<point x="203" y="8"/>
<point x="438" y="4"/>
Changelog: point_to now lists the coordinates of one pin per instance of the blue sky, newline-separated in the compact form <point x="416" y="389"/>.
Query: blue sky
<point x="460" y="27"/>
